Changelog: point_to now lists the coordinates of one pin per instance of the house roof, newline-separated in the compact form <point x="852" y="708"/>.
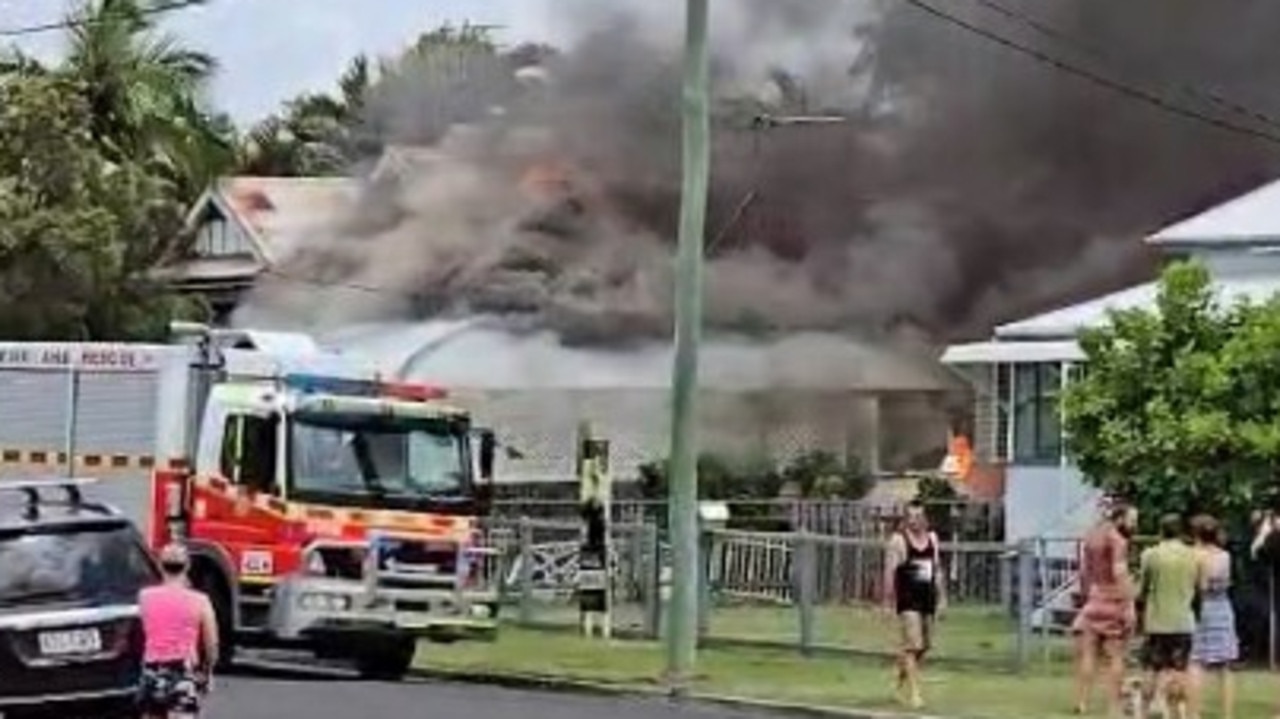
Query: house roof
<point x="271" y="212"/>
<point x="998" y="352"/>
<point x="215" y="270"/>
<point x="477" y="355"/>
<point x="1250" y="219"/>
<point x="275" y="210"/>
<point x="398" y="160"/>
<point x="1067" y="322"/>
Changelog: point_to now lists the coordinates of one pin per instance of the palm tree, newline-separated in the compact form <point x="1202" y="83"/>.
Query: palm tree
<point x="148" y="93"/>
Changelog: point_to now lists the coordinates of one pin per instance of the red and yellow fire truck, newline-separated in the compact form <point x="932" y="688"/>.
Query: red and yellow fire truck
<point x="325" y="509"/>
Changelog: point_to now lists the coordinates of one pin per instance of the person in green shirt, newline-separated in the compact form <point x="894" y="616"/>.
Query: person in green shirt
<point x="1168" y="578"/>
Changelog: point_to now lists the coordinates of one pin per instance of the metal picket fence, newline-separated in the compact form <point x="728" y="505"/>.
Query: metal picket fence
<point x="799" y="590"/>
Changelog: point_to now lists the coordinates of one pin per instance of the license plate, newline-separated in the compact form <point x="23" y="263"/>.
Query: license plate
<point x="73" y="641"/>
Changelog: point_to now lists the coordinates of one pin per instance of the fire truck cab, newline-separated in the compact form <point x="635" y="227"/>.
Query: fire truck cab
<point x="325" y="509"/>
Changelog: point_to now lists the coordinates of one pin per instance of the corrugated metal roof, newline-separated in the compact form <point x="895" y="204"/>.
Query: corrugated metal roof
<point x="1067" y="322"/>
<point x="1252" y="218"/>
<point x="1024" y="351"/>
<point x="476" y="354"/>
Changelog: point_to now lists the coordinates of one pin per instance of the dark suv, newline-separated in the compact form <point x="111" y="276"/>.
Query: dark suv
<point x="70" y="573"/>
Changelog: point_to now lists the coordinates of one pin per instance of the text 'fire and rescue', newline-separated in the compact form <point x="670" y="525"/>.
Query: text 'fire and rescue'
<point x="88" y="358"/>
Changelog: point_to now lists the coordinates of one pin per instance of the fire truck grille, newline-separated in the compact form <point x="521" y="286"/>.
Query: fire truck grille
<point x="342" y="562"/>
<point x="408" y="564"/>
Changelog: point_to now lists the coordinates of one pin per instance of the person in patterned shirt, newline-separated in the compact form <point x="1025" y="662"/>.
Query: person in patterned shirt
<point x="1107" y="620"/>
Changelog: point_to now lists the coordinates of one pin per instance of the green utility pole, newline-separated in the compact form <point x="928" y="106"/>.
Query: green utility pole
<point x="682" y="613"/>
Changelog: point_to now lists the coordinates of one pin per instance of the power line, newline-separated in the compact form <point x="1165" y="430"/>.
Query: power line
<point x="1098" y="54"/>
<point x="67" y="24"/>
<point x="1135" y="93"/>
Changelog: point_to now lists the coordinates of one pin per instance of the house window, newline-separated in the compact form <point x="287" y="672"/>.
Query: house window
<point x="1037" y="419"/>
<point x="1002" y="401"/>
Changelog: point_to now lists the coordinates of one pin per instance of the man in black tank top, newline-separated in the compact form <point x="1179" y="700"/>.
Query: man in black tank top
<point x="913" y="591"/>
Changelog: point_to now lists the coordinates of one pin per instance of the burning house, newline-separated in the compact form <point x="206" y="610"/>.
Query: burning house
<point x="536" y="208"/>
<point x="802" y="392"/>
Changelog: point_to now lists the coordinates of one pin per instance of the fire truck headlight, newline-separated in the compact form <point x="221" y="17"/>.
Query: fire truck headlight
<point x="317" y="602"/>
<point x="480" y="611"/>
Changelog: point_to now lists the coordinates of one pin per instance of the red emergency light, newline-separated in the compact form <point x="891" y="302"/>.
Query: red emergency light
<point x="413" y="392"/>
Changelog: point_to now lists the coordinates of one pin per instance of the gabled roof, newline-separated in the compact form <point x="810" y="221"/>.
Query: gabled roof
<point x="1250" y="219"/>
<point x="273" y="210"/>
<point x="270" y="212"/>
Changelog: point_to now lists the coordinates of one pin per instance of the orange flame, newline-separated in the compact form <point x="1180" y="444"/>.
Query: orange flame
<point x="959" y="456"/>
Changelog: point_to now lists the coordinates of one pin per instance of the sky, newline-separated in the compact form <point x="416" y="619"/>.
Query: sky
<point x="271" y="50"/>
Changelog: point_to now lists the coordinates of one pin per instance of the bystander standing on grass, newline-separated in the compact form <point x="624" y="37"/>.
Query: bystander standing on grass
<point x="1215" y="646"/>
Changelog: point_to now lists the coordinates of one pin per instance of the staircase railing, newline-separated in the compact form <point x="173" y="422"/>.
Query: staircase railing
<point x="1057" y="562"/>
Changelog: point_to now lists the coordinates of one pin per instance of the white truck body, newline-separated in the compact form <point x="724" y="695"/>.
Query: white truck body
<point x="119" y="409"/>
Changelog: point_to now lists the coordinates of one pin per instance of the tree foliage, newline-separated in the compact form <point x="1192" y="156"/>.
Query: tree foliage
<point x="101" y="153"/>
<point x="1178" y="407"/>
<point x="147" y="94"/>
<point x="77" y="229"/>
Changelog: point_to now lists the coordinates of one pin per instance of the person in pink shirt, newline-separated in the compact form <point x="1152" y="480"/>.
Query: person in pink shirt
<point x="181" y="639"/>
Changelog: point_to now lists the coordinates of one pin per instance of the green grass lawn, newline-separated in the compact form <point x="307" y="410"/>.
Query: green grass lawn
<point x="967" y="633"/>
<point x="781" y="675"/>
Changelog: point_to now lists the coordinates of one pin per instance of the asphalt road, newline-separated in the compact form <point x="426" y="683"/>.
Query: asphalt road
<point x="273" y="694"/>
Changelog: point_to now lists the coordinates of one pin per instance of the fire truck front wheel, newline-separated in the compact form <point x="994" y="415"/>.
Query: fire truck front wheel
<point x="210" y="582"/>
<point x="387" y="659"/>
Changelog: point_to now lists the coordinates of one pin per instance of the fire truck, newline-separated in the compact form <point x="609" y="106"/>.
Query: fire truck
<point x="325" y="508"/>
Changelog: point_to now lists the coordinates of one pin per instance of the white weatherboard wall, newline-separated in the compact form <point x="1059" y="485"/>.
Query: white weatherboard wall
<point x="1047" y="501"/>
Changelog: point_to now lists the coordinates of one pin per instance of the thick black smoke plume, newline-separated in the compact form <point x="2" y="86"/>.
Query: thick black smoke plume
<point x="967" y="183"/>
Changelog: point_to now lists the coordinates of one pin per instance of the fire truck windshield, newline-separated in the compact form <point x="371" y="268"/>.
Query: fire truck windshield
<point x="379" y="459"/>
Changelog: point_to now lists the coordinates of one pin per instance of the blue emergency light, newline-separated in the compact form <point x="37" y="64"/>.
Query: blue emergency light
<point x="324" y="384"/>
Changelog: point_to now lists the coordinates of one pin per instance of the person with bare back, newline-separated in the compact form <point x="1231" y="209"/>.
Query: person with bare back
<point x="914" y="591"/>
<point x="1108" y="618"/>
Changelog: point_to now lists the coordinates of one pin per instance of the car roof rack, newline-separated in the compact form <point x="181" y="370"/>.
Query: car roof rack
<point x="70" y="486"/>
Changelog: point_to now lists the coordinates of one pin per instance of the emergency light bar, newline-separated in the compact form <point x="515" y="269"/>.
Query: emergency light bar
<point x="414" y="392"/>
<point x="326" y="384"/>
<point x="346" y="387"/>
<point x="373" y="406"/>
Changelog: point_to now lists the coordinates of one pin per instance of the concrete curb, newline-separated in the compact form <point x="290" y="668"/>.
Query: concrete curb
<point x="546" y="683"/>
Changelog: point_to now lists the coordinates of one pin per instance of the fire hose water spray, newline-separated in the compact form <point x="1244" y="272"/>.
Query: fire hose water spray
<point x="595" y="501"/>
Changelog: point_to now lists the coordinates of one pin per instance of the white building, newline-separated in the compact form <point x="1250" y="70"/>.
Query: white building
<point x="1019" y="373"/>
<point x="802" y="392"/>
